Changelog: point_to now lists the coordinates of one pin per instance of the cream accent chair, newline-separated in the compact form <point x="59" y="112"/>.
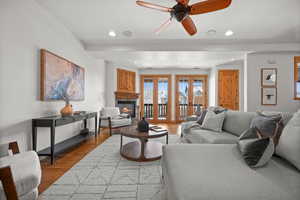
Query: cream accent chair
<point x="20" y="173"/>
<point x="111" y="118"/>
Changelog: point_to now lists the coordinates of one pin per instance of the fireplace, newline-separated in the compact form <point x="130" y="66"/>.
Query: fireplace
<point x="127" y="106"/>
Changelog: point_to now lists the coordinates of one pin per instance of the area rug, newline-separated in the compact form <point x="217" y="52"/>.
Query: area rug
<point x="104" y="174"/>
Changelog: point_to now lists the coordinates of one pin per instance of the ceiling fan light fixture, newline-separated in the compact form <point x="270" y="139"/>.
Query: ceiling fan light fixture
<point x="229" y="33"/>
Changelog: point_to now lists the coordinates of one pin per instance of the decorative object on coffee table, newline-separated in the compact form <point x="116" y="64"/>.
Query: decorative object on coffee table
<point x="143" y="125"/>
<point x="142" y="150"/>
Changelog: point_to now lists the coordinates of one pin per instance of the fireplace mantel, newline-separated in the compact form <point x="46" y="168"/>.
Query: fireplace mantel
<point x="126" y="95"/>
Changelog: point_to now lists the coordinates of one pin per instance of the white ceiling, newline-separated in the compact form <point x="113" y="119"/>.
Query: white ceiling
<point x="174" y="59"/>
<point x="260" y="21"/>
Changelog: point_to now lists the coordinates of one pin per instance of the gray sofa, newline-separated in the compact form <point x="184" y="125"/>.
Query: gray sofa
<point x="218" y="172"/>
<point x="234" y="124"/>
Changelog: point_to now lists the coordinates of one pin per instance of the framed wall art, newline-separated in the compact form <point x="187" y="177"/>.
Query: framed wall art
<point x="268" y="77"/>
<point x="60" y="78"/>
<point x="269" y="96"/>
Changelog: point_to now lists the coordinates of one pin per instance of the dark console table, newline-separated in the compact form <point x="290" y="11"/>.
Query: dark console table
<point x="55" y="121"/>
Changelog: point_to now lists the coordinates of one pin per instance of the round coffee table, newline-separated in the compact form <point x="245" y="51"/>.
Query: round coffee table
<point x="141" y="150"/>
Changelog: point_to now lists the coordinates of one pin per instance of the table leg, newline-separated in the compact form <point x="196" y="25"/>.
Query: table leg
<point x="121" y="143"/>
<point x="52" y="140"/>
<point x="85" y="123"/>
<point x="167" y="138"/>
<point x="96" y="125"/>
<point x="142" y="156"/>
<point x="34" y="139"/>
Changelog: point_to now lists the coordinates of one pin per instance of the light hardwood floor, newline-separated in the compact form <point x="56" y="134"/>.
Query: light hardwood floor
<point x="63" y="162"/>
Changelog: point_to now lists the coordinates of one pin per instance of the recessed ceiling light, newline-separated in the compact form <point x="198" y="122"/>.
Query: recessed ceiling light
<point x="112" y="34"/>
<point x="211" y="32"/>
<point x="229" y="33"/>
<point x="127" y="33"/>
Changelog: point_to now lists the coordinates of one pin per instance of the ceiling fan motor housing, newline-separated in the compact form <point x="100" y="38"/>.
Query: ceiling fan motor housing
<point x="180" y="11"/>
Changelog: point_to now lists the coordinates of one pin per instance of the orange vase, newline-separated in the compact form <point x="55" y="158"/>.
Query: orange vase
<point x="67" y="110"/>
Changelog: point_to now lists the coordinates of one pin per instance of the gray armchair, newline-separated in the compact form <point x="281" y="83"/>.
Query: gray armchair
<point x="20" y="173"/>
<point x="111" y="118"/>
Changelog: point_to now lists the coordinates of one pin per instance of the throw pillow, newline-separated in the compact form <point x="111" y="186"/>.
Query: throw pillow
<point x="289" y="143"/>
<point x="213" y="121"/>
<point x="268" y="126"/>
<point x="201" y="117"/>
<point x="286" y="116"/>
<point x="255" y="151"/>
<point x="215" y="109"/>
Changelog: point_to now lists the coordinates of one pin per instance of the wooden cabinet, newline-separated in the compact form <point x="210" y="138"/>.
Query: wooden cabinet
<point x="126" y="81"/>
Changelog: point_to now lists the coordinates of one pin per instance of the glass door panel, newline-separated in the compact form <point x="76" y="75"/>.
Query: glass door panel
<point x="155" y="102"/>
<point x="198" y="96"/>
<point x="183" y="98"/>
<point x="298" y="81"/>
<point x="191" y="95"/>
<point x="162" y="98"/>
<point x="148" y="110"/>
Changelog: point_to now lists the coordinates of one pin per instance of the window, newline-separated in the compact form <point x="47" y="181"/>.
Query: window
<point x="297" y="77"/>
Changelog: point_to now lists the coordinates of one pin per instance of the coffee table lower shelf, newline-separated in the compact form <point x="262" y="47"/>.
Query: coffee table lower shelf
<point x="133" y="151"/>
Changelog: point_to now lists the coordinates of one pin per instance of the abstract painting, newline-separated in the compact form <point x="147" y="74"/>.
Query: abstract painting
<point x="269" y="96"/>
<point x="60" y="78"/>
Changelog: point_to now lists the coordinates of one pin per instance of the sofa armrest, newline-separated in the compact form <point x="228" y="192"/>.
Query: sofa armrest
<point x="8" y="183"/>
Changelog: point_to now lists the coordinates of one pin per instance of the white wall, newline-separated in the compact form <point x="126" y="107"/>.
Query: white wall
<point x="173" y="73"/>
<point x="111" y="81"/>
<point x="284" y="62"/>
<point x="25" y="29"/>
<point x="212" y="86"/>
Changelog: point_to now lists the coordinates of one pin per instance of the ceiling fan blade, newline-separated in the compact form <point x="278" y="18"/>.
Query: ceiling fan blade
<point x="153" y="6"/>
<point x="189" y="25"/>
<point x="164" y="26"/>
<point x="209" y="6"/>
<point x="184" y="2"/>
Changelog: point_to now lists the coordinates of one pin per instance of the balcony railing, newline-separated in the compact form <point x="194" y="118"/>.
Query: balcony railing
<point x="183" y="110"/>
<point x="162" y="111"/>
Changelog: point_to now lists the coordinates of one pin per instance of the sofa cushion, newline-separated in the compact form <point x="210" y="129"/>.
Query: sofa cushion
<point x="219" y="172"/>
<point x="26" y="172"/>
<point x="237" y="122"/>
<point x="116" y="122"/>
<point x="110" y="112"/>
<point x="213" y="121"/>
<point x="289" y="144"/>
<point x="201" y="117"/>
<point x="206" y="136"/>
<point x="256" y="151"/>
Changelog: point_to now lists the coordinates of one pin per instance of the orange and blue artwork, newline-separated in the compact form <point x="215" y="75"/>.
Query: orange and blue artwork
<point x="61" y="79"/>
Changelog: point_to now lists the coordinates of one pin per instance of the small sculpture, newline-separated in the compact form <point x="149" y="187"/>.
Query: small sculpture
<point x="143" y="125"/>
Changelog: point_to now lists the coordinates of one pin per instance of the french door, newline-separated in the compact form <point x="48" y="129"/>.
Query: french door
<point x="191" y="95"/>
<point x="156" y="97"/>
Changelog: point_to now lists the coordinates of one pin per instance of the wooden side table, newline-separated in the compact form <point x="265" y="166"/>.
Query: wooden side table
<point x="142" y="150"/>
<point x="54" y="121"/>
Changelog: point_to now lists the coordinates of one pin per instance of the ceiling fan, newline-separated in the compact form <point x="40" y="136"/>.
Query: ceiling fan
<point x="182" y="11"/>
